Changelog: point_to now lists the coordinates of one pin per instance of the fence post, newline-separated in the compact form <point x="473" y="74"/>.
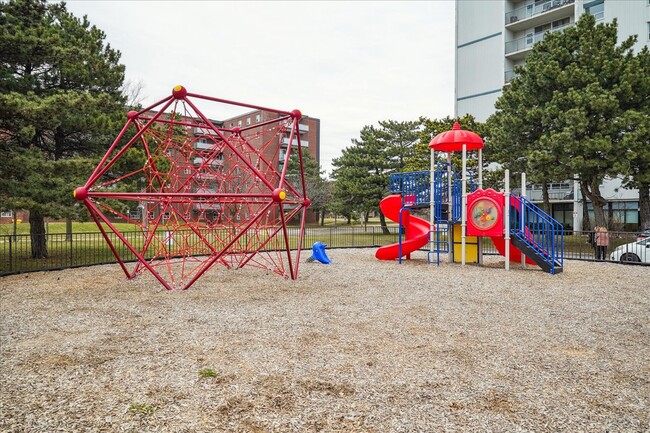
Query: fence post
<point x="10" y="255"/>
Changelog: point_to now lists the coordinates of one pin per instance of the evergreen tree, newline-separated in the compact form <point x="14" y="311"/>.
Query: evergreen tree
<point x="634" y="160"/>
<point x="60" y="104"/>
<point x="560" y="116"/>
<point x="318" y="189"/>
<point x="361" y="175"/>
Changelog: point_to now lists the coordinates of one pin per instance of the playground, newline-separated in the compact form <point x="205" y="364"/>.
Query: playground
<point x="360" y="345"/>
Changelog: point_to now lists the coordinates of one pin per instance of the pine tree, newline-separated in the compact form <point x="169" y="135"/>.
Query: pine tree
<point x="560" y="116"/>
<point x="60" y="104"/>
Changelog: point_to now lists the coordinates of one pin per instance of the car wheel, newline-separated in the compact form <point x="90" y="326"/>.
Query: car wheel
<point x="630" y="257"/>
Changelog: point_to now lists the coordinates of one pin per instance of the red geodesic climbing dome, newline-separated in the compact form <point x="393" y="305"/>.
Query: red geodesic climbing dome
<point x="198" y="192"/>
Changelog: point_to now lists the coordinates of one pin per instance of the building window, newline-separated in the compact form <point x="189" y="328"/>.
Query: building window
<point x="596" y="8"/>
<point x="6" y="214"/>
<point x="248" y="121"/>
<point x="152" y="215"/>
<point x="621" y="216"/>
<point x="649" y="30"/>
<point x="239" y="123"/>
<point x="187" y="171"/>
<point x="258" y="117"/>
<point x="166" y="216"/>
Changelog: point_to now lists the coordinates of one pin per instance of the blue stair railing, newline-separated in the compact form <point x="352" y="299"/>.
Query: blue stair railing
<point x="539" y="231"/>
<point x="415" y="188"/>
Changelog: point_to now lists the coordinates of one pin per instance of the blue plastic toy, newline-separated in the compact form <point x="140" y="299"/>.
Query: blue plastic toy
<point x="318" y="254"/>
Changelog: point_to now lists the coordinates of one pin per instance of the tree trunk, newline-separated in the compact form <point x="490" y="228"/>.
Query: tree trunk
<point x="586" y="222"/>
<point x="592" y="192"/>
<point x="382" y="222"/>
<point x="15" y="214"/>
<point x="644" y="206"/>
<point x="68" y="229"/>
<point x="366" y="218"/>
<point x="322" y="217"/>
<point x="546" y="202"/>
<point x="37" y="234"/>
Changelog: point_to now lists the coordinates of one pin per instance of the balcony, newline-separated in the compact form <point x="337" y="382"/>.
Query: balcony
<point x="204" y="131"/>
<point x="508" y="76"/>
<point x="213" y="162"/>
<point x="302" y="129"/>
<point x="303" y="143"/>
<point x="533" y="15"/>
<point x="201" y="145"/>
<point x="518" y="48"/>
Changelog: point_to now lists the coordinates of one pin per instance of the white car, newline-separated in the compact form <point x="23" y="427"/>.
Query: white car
<point x="638" y="251"/>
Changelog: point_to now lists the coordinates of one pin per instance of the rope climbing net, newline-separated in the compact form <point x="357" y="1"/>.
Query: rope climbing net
<point x="199" y="193"/>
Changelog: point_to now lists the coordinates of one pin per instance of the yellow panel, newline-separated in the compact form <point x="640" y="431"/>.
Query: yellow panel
<point x="471" y="246"/>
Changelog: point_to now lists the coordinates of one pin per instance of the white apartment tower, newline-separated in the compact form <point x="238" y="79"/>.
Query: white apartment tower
<point x="493" y="36"/>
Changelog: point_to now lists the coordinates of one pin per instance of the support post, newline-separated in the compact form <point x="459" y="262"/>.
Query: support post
<point x="463" y="204"/>
<point x="480" y="186"/>
<point x="523" y="195"/>
<point x="450" y="208"/>
<point x="506" y="217"/>
<point x="432" y="205"/>
<point x="480" y="168"/>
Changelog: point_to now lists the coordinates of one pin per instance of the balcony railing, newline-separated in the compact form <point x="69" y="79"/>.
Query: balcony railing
<point x="528" y="41"/>
<point x="213" y="162"/>
<point x="533" y="10"/>
<point x="204" y="131"/>
<point x="199" y="145"/>
<point x="303" y="143"/>
<point x="508" y="76"/>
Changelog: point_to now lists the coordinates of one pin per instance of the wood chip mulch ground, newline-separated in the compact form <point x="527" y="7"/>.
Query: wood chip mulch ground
<point x="360" y="345"/>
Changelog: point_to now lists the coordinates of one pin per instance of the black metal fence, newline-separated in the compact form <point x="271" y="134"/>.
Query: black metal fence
<point x="84" y="249"/>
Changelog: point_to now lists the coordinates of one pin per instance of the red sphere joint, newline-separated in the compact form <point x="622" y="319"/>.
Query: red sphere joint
<point x="236" y="130"/>
<point x="80" y="193"/>
<point x="307" y="202"/>
<point x="179" y="92"/>
<point x="132" y="114"/>
<point x="296" y="114"/>
<point x="278" y="195"/>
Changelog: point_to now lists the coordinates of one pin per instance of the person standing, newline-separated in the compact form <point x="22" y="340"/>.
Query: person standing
<point x="602" y="242"/>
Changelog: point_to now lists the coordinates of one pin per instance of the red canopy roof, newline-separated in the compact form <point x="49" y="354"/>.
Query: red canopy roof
<point x="452" y="141"/>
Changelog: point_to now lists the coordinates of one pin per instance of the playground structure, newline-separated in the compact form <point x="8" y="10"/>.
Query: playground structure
<point x="519" y="230"/>
<point x="198" y="193"/>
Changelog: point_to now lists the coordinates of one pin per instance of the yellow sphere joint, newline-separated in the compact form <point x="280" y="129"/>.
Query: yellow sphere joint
<point x="178" y="88"/>
<point x="283" y="195"/>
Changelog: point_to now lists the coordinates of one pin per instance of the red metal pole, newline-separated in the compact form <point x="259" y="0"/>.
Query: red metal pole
<point x="218" y="256"/>
<point x="91" y="209"/>
<point x="241" y="157"/>
<point x="241" y="104"/>
<point x="98" y="173"/>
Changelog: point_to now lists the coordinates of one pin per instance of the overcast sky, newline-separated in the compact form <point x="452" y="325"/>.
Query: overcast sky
<point x="349" y="64"/>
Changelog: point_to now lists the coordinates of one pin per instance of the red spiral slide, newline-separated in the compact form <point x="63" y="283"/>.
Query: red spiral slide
<point x="417" y="229"/>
